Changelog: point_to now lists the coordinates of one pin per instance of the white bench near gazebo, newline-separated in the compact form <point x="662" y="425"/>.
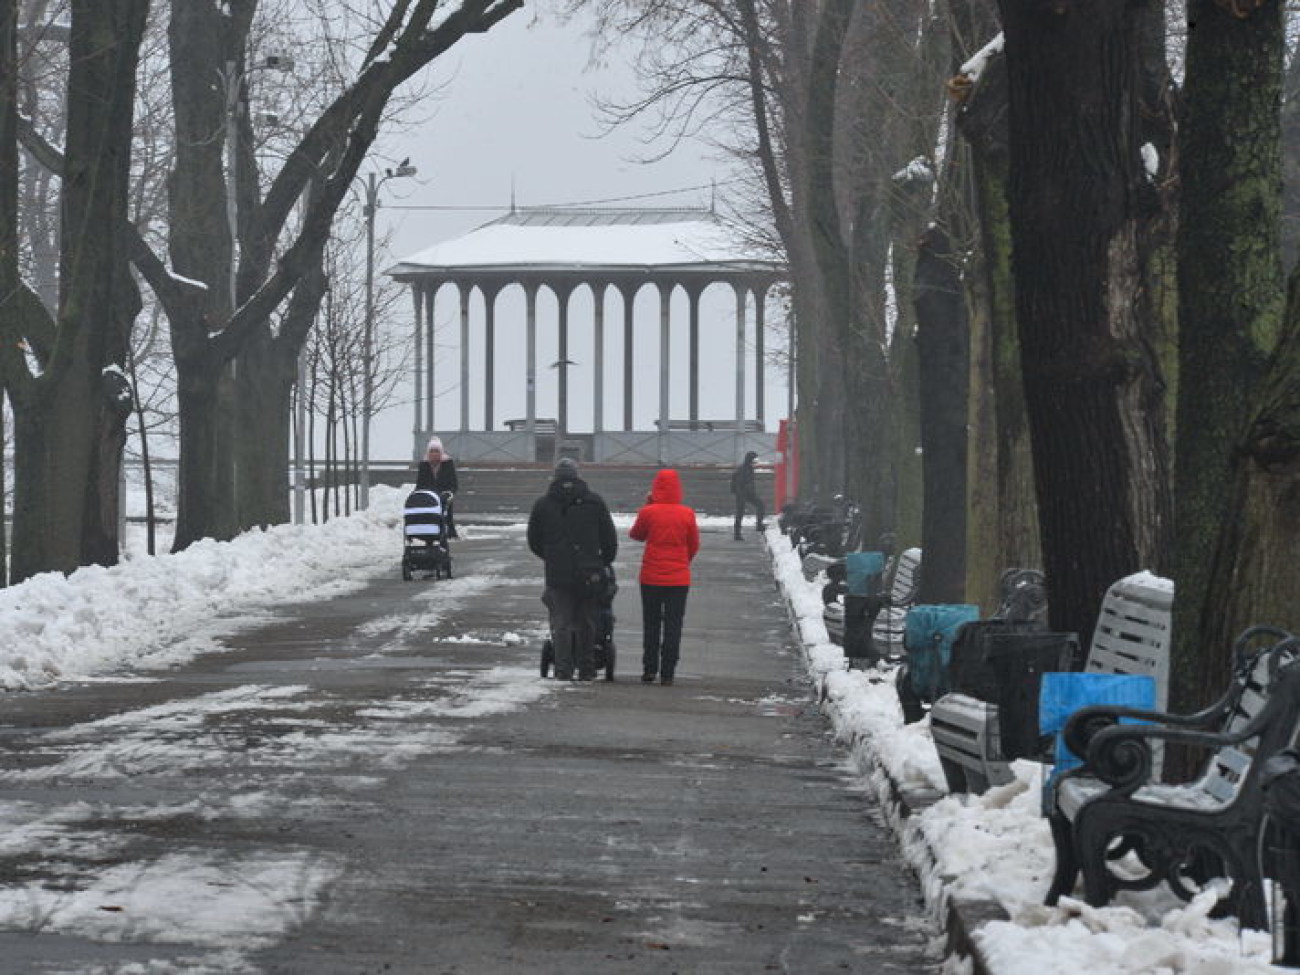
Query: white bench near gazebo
<point x="564" y="250"/>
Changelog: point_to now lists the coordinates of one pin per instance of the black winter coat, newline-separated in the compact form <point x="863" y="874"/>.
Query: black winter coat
<point x="570" y="528"/>
<point x="444" y="479"/>
<point x="742" y="479"/>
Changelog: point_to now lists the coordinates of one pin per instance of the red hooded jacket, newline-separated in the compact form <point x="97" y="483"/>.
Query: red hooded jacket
<point x="670" y="534"/>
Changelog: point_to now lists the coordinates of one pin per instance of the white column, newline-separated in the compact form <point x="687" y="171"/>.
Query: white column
<point x="489" y="352"/>
<point x="562" y="293"/>
<point x="417" y="296"/>
<point x="598" y="355"/>
<point x="760" y="355"/>
<point x="665" y="361"/>
<point x="694" y="353"/>
<point x="629" y="312"/>
<point x="430" y="373"/>
<point x="464" y="356"/>
<point x="740" y="368"/>
<point x="530" y="362"/>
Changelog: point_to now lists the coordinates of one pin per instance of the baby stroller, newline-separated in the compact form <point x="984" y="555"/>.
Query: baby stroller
<point x="424" y="537"/>
<point x="603" y="652"/>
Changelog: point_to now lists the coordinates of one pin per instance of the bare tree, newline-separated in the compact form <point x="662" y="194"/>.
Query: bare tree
<point x="233" y="460"/>
<point x="1092" y="381"/>
<point x="63" y="373"/>
<point x="1238" y="438"/>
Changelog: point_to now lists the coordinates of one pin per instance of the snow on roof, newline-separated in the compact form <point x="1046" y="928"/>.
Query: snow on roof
<point x="571" y="238"/>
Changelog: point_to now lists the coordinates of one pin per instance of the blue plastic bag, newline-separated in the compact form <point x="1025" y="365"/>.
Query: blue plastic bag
<point x="862" y="572"/>
<point x="928" y="633"/>
<point x="1060" y="695"/>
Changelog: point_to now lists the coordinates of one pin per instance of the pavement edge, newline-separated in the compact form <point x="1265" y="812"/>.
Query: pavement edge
<point x="961" y="917"/>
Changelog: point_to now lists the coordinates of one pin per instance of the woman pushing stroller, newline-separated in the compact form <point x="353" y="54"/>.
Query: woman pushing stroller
<point x="437" y="472"/>
<point x="571" y="530"/>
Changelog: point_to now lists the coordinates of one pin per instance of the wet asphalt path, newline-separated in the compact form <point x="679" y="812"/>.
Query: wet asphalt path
<point x="382" y="783"/>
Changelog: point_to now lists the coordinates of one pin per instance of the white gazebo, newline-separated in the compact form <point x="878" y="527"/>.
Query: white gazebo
<point x="563" y="250"/>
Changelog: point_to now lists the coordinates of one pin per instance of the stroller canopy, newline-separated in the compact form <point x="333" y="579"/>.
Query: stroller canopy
<point x="423" y="515"/>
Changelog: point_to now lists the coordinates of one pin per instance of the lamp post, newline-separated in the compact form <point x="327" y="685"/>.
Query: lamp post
<point x="373" y="182"/>
<point x="562" y="414"/>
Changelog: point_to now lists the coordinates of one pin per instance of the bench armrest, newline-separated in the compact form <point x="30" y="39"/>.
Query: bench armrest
<point x="1120" y="755"/>
<point x="1086" y="723"/>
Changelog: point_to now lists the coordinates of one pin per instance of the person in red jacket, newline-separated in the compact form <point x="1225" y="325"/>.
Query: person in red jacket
<point x="671" y="539"/>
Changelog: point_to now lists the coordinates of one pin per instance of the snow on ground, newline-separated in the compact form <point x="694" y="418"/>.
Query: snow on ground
<point x="153" y="612"/>
<point x="997" y="847"/>
<point x="84" y="875"/>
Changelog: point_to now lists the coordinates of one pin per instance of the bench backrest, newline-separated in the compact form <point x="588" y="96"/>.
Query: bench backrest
<point x="1133" y="631"/>
<point x="905" y="578"/>
<point x="1228" y="768"/>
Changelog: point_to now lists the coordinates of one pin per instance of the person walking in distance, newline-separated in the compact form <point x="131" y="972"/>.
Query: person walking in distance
<point x="571" y="531"/>
<point x="742" y="486"/>
<point x="437" y="473"/>
<point x="671" y="538"/>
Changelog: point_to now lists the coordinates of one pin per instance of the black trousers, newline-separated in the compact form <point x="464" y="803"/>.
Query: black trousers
<point x="572" y="631"/>
<point x="741" y="501"/>
<point x="662" y="611"/>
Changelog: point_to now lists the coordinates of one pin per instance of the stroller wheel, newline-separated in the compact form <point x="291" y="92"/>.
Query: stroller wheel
<point x="610" y="653"/>
<point x="548" y="658"/>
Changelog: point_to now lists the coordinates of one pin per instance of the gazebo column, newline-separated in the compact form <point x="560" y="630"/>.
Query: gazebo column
<point x="760" y="354"/>
<point x="629" y="312"/>
<point x="489" y="350"/>
<point x="741" y="292"/>
<point x="419" y="298"/>
<point x="464" y="354"/>
<point x="562" y="294"/>
<point x="693" y="294"/>
<point x="665" y="361"/>
<point x="430" y="324"/>
<point x="530" y="363"/>
<point x="598" y="354"/>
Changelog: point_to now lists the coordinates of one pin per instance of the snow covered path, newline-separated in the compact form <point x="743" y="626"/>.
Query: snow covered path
<point x="381" y="778"/>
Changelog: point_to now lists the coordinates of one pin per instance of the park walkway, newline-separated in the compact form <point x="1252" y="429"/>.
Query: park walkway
<point x="382" y="783"/>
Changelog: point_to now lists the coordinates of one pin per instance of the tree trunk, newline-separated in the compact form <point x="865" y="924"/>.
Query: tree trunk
<point x="266" y="375"/>
<point x="1253" y="577"/>
<point x="11" y="283"/>
<point x="1231" y="302"/>
<point x="1004" y="507"/>
<point x="1291" y="166"/>
<point x="828" y="249"/>
<point x="66" y="421"/>
<point x="1090" y="377"/>
<point x="941" y="338"/>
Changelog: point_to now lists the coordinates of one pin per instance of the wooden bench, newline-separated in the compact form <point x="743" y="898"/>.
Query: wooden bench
<point x="824" y="544"/>
<point x="1132" y="637"/>
<point x="543" y="427"/>
<point x="1112" y="813"/>
<point x="903" y="580"/>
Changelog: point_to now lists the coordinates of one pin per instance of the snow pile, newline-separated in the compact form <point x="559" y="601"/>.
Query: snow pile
<point x="997" y="847"/>
<point x="155" y="612"/>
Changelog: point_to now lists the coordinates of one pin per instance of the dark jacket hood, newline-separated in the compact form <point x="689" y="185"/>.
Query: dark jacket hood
<point x="568" y="489"/>
<point x="667" y="488"/>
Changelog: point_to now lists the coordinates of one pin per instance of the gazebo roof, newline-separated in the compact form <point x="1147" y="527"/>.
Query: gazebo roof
<point x="550" y="241"/>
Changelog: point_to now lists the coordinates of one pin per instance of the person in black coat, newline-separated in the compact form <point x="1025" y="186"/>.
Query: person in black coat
<point x="742" y="486"/>
<point x="571" y="531"/>
<point x="437" y="472"/>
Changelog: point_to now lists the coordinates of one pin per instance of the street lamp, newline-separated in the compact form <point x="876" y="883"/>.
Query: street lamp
<point x="373" y="182"/>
